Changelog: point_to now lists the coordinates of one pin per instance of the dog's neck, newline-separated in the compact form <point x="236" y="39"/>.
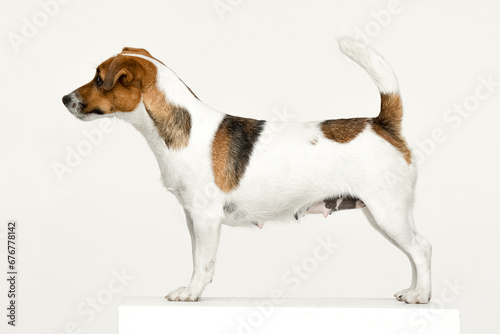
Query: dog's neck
<point x="174" y="162"/>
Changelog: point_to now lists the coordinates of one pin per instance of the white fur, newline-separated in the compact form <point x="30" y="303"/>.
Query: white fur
<point x="372" y="62"/>
<point x="287" y="174"/>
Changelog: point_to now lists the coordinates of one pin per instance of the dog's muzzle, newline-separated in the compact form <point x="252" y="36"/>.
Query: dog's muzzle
<point x="74" y="104"/>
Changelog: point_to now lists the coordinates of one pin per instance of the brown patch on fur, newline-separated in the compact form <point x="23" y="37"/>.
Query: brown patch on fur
<point x="343" y="130"/>
<point x="220" y="158"/>
<point x="231" y="149"/>
<point x="313" y="141"/>
<point x="391" y="112"/>
<point x="147" y="54"/>
<point x="127" y="79"/>
<point x="173" y="124"/>
<point x="388" y="123"/>
<point x="103" y="95"/>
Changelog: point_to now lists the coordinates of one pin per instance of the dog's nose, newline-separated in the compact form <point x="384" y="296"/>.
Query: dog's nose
<point x="66" y="99"/>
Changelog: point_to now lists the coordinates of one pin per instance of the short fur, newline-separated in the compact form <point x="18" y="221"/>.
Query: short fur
<point x="230" y="170"/>
<point x="231" y="149"/>
<point x="343" y="130"/>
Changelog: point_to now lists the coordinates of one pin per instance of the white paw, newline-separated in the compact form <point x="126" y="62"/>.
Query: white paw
<point x="415" y="296"/>
<point x="183" y="294"/>
<point x="399" y="295"/>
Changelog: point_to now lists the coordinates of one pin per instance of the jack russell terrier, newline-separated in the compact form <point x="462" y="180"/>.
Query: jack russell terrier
<point x="238" y="171"/>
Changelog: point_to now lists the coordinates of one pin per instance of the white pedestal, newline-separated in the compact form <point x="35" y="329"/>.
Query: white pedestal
<point x="290" y="316"/>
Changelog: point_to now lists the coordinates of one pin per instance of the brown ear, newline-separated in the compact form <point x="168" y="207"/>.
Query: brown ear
<point x="122" y="68"/>
<point x="136" y="51"/>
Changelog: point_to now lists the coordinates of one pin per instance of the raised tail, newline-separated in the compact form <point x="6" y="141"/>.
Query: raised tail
<point x="391" y="106"/>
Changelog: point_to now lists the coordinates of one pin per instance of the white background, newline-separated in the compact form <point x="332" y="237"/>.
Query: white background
<point x="111" y="213"/>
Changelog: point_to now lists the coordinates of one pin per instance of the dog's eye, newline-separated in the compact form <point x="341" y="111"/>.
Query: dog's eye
<point x="98" y="81"/>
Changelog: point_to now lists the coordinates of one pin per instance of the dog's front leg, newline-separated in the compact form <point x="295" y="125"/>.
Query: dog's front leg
<point x="205" y="239"/>
<point x="189" y="222"/>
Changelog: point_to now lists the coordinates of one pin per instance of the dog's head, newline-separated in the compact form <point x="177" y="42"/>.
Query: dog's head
<point x="118" y="85"/>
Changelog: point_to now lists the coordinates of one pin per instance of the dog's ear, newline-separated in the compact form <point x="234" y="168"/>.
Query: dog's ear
<point x="124" y="69"/>
<point x="136" y="51"/>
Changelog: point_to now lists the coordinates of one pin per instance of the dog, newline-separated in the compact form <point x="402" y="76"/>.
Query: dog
<point x="226" y="169"/>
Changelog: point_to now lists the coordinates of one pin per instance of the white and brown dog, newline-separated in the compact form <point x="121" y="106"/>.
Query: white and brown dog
<point x="254" y="174"/>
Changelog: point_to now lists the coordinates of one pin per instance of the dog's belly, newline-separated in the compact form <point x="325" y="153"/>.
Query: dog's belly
<point x="330" y="205"/>
<point x="236" y="215"/>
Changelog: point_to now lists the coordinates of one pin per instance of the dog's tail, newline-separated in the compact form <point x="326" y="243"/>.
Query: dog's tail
<point x="391" y="108"/>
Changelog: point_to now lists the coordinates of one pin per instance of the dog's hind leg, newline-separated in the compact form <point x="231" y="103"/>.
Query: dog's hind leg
<point x="395" y="222"/>
<point x="399" y="295"/>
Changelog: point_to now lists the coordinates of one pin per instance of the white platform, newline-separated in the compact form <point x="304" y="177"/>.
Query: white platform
<point x="290" y="316"/>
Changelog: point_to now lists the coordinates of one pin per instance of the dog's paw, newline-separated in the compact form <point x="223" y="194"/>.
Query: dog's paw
<point x="415" y="296"/>
<point x="183" y="294"/>
<point x="399" y="295"/>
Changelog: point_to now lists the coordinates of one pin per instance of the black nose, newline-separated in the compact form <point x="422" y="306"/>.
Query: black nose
<point x="66" y="99"/>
